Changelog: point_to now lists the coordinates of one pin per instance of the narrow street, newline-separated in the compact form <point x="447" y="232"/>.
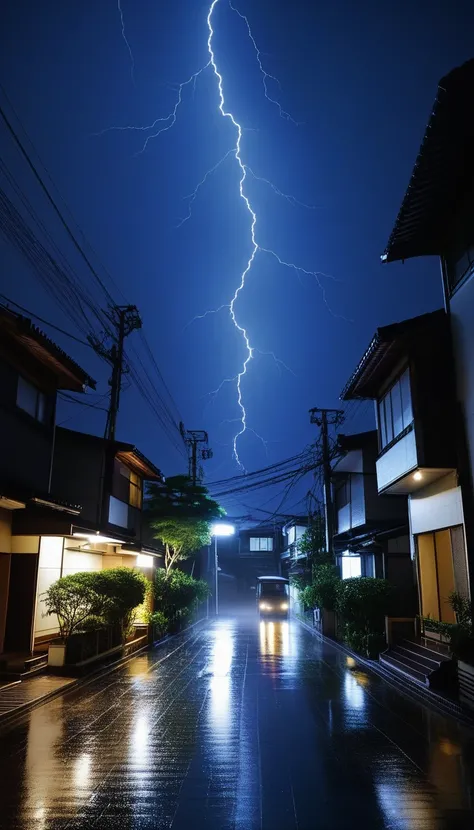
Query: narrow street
<point x="237" y="725"/>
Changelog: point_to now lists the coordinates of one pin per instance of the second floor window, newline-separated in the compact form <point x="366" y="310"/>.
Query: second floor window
<point x="135" y="490"/>
<point x="118" y="512"/>
<point x="342" y="496"/>
<point x="395" y="410"/>
<point x="31" y="400"/>
<point x="261" y="543"/>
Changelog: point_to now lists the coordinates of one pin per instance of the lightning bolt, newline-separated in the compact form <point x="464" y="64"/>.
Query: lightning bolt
<point x="132" y="59"/>
<point x="165" y="123"/>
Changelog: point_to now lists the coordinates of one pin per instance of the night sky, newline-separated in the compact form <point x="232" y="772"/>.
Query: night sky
<point x="358" y="77"/>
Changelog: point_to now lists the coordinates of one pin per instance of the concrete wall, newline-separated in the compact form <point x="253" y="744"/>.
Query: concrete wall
<point x="437" y="506"/>
<point x="78" y="472"/>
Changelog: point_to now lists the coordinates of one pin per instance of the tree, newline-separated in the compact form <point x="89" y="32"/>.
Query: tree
<point x="74" y="599"/>
<point x="313" y="542"/>
<point x="181" y="514"/>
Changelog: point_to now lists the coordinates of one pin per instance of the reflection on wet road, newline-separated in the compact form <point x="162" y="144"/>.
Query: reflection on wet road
<point x="237" y="725"/>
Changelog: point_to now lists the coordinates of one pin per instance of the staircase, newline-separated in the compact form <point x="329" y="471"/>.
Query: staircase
<point x="14" y="667"/>
<point x="423" y="661"/>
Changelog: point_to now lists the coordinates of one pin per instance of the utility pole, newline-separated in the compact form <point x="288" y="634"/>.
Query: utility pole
<point x="324" y="418"/>
<point x="192" y="438"/>
<point x="125" y="319"/>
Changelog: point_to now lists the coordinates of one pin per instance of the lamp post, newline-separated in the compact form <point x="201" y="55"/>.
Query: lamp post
<point x="219" y="529"/>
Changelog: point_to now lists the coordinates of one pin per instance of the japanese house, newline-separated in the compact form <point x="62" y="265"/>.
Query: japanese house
<point x="32" y="370"/>
<point x="436" y="218"/>
<point x="407" y="371"/>
<point x="371" y="530"/>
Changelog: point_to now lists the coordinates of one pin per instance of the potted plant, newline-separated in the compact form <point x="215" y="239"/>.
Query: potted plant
<point x="73" y="600"/>
<point x="460" y="637"/>
<point x="462" y="645"/>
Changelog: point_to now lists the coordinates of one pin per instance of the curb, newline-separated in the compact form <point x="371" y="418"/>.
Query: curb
<point x="408" y="687"/>
<point x="16" y="714"/>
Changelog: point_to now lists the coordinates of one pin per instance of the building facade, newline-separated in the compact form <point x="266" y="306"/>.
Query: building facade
<point x="407" y="371"/>
<point x="32" y="370"/>
<point x="436" y="218"/>
<point x="371" y="530"/>
<point x="69" y="502"/>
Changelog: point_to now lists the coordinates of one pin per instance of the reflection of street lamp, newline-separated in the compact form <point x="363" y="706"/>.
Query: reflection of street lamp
<point x="219" y="529"/>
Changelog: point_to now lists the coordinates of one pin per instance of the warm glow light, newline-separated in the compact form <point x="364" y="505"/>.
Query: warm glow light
<point x="82" y="768"/>
<point x="144" y="560"/>
<point x="417" y="476"/>
<point x="93" y="537"/>
<point x="222" y="529"/>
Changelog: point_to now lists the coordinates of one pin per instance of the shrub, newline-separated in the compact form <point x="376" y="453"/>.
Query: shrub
<point x="362" y="603"/>
<point x="176" y="593"/>
<point x="460" y="634"/>
<point x="74" y="599"/>
<point x="323" y="591"/>
<point x="123" y="590"/>
<point x="160" y="623"/>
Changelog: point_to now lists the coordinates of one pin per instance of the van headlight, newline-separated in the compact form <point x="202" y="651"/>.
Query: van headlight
<point x="284" y="606"/>
<point x="263" y="606"/>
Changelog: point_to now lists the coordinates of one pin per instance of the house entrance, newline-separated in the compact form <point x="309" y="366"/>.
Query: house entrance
<point x="436" y="573"/>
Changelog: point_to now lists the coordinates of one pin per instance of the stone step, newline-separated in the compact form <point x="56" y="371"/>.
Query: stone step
<point x="402" y="667"/>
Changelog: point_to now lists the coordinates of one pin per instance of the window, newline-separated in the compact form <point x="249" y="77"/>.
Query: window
<point x="351" y="566"/>
<point x="261" y="543"/>
<point x="135" y="490"/>
<point x="395" y="410"/>
<point x="342" y="495"/>
<point x="31" y="400"/>
<point x="118" y="512"/>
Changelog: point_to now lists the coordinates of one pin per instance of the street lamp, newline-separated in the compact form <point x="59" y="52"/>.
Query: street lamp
<point x="219" y="529"/>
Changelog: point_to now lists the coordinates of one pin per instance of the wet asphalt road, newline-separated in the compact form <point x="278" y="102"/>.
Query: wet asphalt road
<point x="237" y="725"/>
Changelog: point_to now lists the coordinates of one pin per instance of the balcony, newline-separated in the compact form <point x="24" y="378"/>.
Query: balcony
<point x="401" y="471"/>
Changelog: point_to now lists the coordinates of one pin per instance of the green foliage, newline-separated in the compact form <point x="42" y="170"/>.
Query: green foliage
<point x="323" y="591"/>
<point x="181" y="513"/>
<point x="123" y="590"/>
<point x="460" y="634"/>
<point x="301" y="580"/>
<point x="74" y="599"/>
<point x="160" y="623"/>
<point x="363" y="603"/>
<point x="177" y="593"/>
<point x="313" y="542"/>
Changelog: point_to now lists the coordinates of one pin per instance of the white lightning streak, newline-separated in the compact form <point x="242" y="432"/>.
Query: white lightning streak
<point x="289" y="198"/>
<point x="169" y="120"/>
<point x="132" y="59"/>
<point x="192" y="196"/>
<point x="242" y="330"/>
<point x="265" y="75"/>
<point x="278" y="363"/>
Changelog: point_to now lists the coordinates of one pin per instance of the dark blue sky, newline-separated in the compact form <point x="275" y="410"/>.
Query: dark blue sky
<point x="360" y="77"/>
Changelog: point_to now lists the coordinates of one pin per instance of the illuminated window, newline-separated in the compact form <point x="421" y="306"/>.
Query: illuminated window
<point x="31" y="400"/>
<point x="135" y="490"/>
<point x="258" y="543"/>
<point x="118" y="512"/>
<point x="395" y="410"/>
<point x="351" y="566"/>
